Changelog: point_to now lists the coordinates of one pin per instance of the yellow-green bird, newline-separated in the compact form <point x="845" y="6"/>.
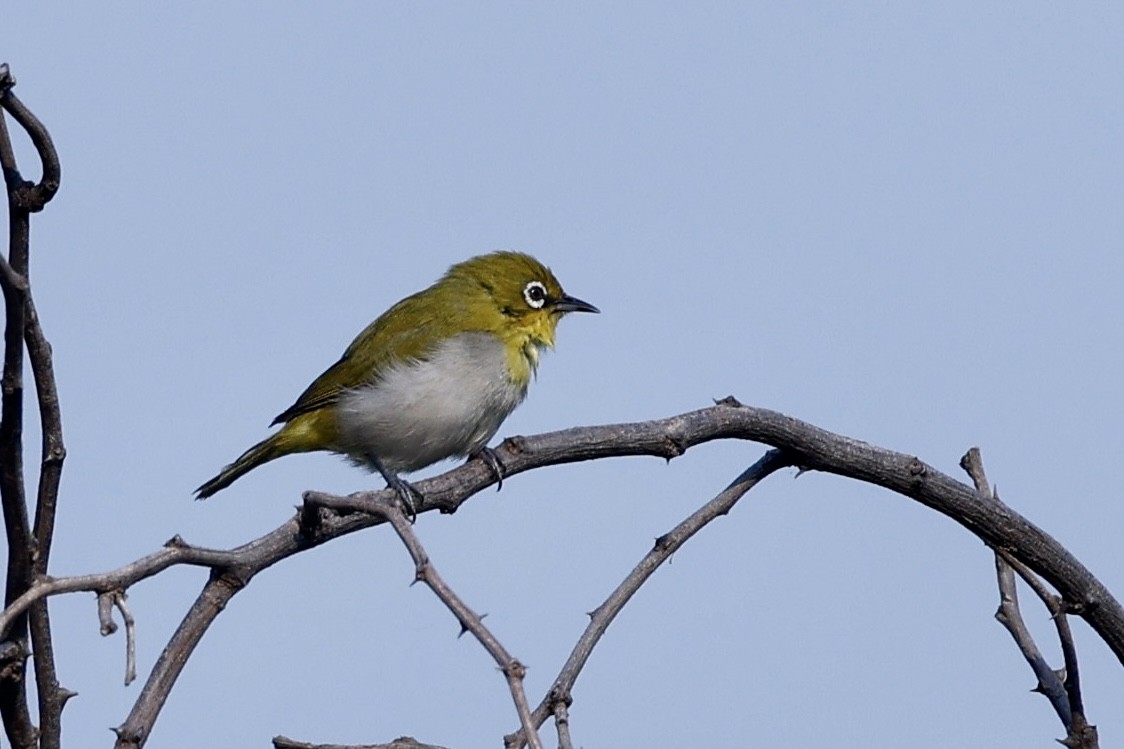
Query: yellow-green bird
<point x="432" y="378"/>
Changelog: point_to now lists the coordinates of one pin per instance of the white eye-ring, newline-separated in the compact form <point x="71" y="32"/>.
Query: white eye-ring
<point x="535" y="294"/>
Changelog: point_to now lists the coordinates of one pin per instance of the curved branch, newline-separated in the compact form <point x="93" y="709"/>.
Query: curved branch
<point x="807" y="445"/>
<point x="558" y="698"/>
<point x="31" y="197"/>
<point x="28" y="547"/>
<point x="406" y="742"/>
<point x="512" y="669"/>
<point x="216" y="594"/>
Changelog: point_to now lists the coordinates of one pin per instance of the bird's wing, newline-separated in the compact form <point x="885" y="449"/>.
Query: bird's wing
<point x="403" y="333"/>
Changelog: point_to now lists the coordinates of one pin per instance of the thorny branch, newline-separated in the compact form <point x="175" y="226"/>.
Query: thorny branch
<point x="426" y="572"/>
<point x="1062" y="688"/>
<point x="1020" y="546"/>
<point x="404" y="742"/>
<point x="558" y="698"/>
<point x="804" y="444"/>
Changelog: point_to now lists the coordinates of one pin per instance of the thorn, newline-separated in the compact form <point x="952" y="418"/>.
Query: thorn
<point x="175" y="542"/>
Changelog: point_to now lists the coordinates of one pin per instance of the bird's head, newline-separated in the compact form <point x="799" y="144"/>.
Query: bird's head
<point x="514" y="296"/>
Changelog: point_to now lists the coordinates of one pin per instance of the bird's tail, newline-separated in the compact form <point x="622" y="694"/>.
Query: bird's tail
<point x="270" y="448"/>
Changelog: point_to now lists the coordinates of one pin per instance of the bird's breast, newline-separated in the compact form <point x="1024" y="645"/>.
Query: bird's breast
<point x="421" y="411"/>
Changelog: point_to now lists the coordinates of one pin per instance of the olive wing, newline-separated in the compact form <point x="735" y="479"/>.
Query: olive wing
<point x="405" y="332"/>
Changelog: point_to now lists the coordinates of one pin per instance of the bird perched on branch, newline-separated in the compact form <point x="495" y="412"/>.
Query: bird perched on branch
<point x="432" y="378"/>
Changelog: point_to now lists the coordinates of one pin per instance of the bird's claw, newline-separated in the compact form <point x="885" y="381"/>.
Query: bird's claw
<point x="489" y="456"/>
<point x="405" y="490"/>
<point x="410" y="497"/>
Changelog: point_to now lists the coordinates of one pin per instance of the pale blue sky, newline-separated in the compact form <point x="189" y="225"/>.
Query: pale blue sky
<point x="899" y="221"/>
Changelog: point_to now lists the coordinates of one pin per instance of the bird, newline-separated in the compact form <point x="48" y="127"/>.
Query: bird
<point x="432" y="378"/>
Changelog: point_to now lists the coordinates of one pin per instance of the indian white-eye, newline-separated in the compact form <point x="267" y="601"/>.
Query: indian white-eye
<point x="432" y="378"/>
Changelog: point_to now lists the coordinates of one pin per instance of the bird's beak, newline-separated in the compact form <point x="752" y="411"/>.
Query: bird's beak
<point x="572" y="304"/>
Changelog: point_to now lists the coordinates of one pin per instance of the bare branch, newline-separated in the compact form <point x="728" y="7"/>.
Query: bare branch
<point x="1062" y="688"/>
<point x="808" y="446"/>
<point x="106" y="602"/>
<point x="216" y="594"/>
<point x="31" y="197"/>
<point x="470" y="621"/>
<point x="972" y="463"/>
<point x="404" y="742"/>
<point x="53" y="453"/>
<point x="175" y="552"/>
<point x="1009" y="615"/>
<point x="562" y="724"/>
<point x="28" y="550"/>
<point x="13" y="687"/>
<point x="105" y="614"/>
<point x="559" y="693"/>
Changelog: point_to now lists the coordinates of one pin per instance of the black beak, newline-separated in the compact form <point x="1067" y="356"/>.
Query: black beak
<point x="572" y="304"/>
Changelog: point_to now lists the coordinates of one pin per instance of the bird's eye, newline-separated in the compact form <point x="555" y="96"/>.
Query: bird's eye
<point x="535" y="294"/>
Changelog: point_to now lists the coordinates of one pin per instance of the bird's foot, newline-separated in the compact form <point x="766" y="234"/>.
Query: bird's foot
<point x="489" y="456"/>
<point x="408" y="495"/>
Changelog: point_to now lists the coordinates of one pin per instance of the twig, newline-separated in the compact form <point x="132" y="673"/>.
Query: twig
<point x="1009" y="615"/>
<point x="512" y="669"/>
<point x="404" y="742"/>
<point x="106" y="602"/>
<point x="214" y="597"/>
<point x="130" y="637"/>
<point x="470" y="621"/>
<point x="562" y="725"/>
<point x="1062" y="689"/>
<point x="175" y="552"/>
<point x="559" y="693"/>
<point x="1066" y="684"/>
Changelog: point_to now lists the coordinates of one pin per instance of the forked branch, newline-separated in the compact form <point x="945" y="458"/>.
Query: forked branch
<point x="1061" y="687"/>
<point x="1021" y="548"/>
<point x="805" y="445"/>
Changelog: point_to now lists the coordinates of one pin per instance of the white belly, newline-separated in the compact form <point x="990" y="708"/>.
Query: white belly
<point x="421" y="412"/>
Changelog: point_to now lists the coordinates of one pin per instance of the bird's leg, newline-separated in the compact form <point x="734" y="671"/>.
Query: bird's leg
<point x="405" y="490"/>
<point x="488" y="455"/>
